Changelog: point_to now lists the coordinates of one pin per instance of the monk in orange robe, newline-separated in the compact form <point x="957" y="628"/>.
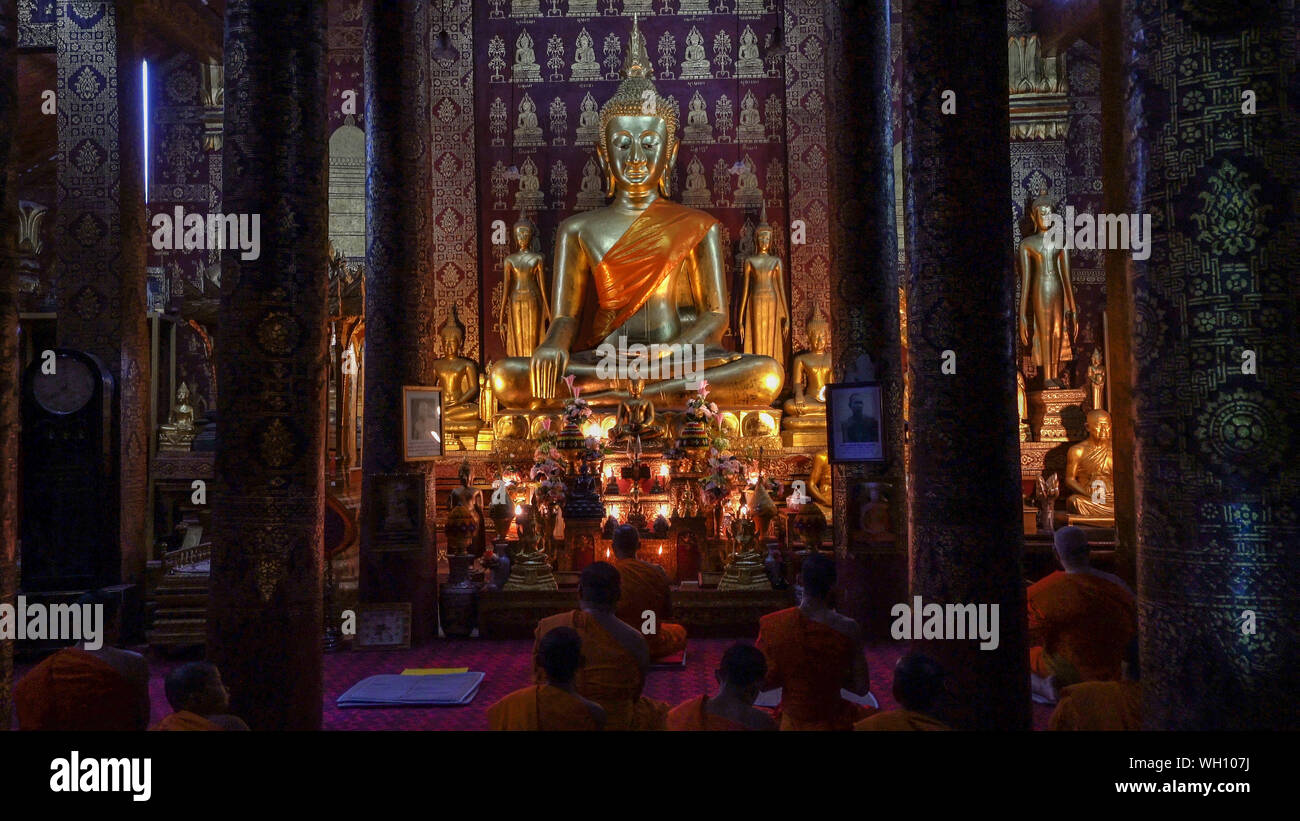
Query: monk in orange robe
<point x="918" y="685"/>
<point x="1080" y="620"/>
<point x="740" y="677"/>
<point x="554" y="705"/>
<point x="645" y="589"/>
<point x="76" y="689"/>
<point x="812" y="653"/>
<point x="199" y="698"/>
<point x="615" y="657"/>
<point x="1102" y="705"/>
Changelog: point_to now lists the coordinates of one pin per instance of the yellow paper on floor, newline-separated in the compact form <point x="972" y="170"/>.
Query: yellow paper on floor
<point x="433" y="671"/>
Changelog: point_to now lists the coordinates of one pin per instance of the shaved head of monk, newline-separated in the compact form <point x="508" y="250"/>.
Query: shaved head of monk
<point x="599" y="586"/>
<point x="742" y="670"/>
<point x="1072" y="547"/>
<point x="818" y="576"/>
<point x="559" y="653"/>
<point x="626" y="542"/>
<point x="197" y="687"/>
<point x="918" y="682"/>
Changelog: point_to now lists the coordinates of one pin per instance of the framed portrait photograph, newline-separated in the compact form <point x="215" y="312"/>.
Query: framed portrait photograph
<point x="854" y="427"/>
<point x="421" y="423"/>
<point x="383" y="627"/>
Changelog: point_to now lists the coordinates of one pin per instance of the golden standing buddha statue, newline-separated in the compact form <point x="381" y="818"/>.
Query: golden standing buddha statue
<point x="640" y="270"/>
<point x="458" y="378"/>
<point x="1047" y="307"/>
<point x="805" y="412"/>
<point x="524" y="311"/>
<point x="764" y="314"/>
<point x="1089" y="472"/>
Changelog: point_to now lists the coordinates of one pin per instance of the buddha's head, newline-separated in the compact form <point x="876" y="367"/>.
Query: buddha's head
<point x="1098" y="425"/>
<point x="451" y="335"/>
<point x="1096" y="356"/>
<point x="1040" y="211"/>
<point x="763" y="239"/>
<point x="819" y="332"/>
<point x="524" y="233"/>
<point x="638" y="128"/>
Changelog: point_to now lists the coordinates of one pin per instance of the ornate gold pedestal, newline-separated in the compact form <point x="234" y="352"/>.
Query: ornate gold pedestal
<point x="531" y="572"/>
<point x="1045" y="412"/>
<point x="804" y="438"/>
<point x="1090" y="521"/>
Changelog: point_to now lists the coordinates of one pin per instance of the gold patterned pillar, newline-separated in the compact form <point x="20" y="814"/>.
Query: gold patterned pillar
<point x="264" y="612"/>
<point x="964" y="505"/>
<point x="864" y="279"/>
<point x="9" y="370"/>
<point x="1214" y="157"/>
<point x="400" y="298"/>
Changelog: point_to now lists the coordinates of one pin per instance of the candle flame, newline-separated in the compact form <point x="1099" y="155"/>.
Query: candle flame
<point x="663" y="469"/>
<point x="519" y="511"/>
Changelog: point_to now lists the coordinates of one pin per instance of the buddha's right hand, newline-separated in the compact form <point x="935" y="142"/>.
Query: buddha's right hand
<point x="546" y="368"/>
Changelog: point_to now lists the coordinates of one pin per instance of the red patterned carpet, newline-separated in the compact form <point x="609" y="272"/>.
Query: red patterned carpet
<point x="508" y="666"/>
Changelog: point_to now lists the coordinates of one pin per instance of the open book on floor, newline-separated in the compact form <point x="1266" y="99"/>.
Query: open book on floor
<point x="452" y="689"/>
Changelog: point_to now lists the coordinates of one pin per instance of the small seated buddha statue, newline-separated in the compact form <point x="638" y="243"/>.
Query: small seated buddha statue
<point x="458" y="378"/>
<point x="178" y="431"/>
<point x="635" y="422"/>
<point x="811" y="371"/>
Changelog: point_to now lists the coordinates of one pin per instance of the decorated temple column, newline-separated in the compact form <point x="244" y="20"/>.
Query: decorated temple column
<point x="864" y="305"/>
<point x="1215" y="160"/>
<point x="400" y="303"/>
<point x="264" y="614"/>
<point x="964" y="508"/>
<point x="100" y="237"/>
<point x="9" y="371"/>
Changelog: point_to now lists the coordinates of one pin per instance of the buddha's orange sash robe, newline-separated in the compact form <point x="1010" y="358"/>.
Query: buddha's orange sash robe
<point x="900" y="721"/>
<point x="1099" y="705"/>
<point x="1079" y="626"/>
<point x="691" y="716"/>
<point x="650" y="249"/>
<point x="811" y="662"/>
<point x="610" y="675"/>
<point x="645" y="587"/>
<point x="74" y="690"/>
<point x="185" y="720"/>
<point x="541" y="707"/>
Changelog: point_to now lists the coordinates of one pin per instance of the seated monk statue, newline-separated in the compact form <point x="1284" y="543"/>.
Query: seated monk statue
<point x="645" y="589"/>
<point x="641" y="270"/>
<point x="94" y="687"/>
<point x="1080" y="620"/>
<point x="809" y="374"/>
<point x="458" y="378"/>
<point x="555" y="705"/>
<point x="614" y="656"/>
<point x="812" y="653"/>
<point x="199" y="700"/>
<point x="1102" y="705"/>
<point x="1089" y="472"/>
<point x="918" y="686"/>
<point x="740" y="678"/>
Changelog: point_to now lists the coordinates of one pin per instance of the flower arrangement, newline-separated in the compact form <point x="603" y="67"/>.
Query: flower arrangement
<point x="576" y="410"/>
<point x="548" y="468"/>
<point x="728" y="473"/>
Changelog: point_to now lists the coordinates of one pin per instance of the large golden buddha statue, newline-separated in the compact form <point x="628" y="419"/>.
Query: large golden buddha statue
<point x="642" y="270"/>
<point x="458" y="378"/>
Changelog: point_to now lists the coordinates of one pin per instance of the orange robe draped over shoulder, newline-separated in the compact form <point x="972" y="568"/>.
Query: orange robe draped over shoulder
<point x="1099" y="705"/>
<point x="900" y="721"/>
<point x="74" y="690"/>
<point x="691" y="716"/>
<point x="649" y="250"/>
<point x="541" y="707"/>
<point x="610" y="675"/>
<point x="810" y="661"/>
<point x="182" y="720"/>
<point x="646" y="587"/>
<point x="1079" y="626"/>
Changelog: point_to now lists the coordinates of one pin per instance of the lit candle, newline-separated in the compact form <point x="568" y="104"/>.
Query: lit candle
<point x="661" y="550"/>
<point x="744" y="510"/>
<point x="519" y="511"/>
<point x="663" y="469"/>
<point x="663" y="511"/>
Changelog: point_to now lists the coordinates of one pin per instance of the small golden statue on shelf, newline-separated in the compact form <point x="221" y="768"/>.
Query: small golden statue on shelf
<point x="636" y="418"/>
<point x="177" y="433"/>
<point x="1047" y="307"/>
<point x="524" y="311"/>
<point x="1097" y="380"/>
<point x="1022" y="407"/>
<point x="465" y="518"/>
<point x="764" y="314"/>
<point x="873" y="516"/>
<point x="531" y="569"/>
<point x="819" y="479"/>
<point x="805" y="412"/>
<point x="1089" y="472"/>
<point x="458" y="378"/>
